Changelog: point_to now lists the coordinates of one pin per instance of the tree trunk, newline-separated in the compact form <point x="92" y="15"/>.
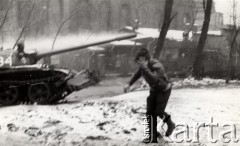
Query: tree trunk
<point x="198" y="68"/>
<point x="231" y="61"/>
<point x="166" y="23"/>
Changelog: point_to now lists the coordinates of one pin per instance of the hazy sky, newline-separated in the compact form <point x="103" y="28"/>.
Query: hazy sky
<point x="224" y="6"/>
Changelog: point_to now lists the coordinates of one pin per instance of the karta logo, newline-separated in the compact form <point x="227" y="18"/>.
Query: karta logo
<point x="182" y="132"/>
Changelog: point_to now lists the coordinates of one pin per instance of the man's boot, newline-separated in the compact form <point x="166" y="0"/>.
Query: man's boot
<point x="170" y="124"/>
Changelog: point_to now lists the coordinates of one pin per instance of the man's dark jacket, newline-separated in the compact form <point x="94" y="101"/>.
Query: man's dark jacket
<point x="154" y="74"/>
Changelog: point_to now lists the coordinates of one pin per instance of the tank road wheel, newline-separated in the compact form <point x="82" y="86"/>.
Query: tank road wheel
<point x="9" y="95"/>
<point x="39" y="93"/>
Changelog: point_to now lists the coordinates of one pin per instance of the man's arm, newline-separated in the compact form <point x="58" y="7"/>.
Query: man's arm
<point x="154" y="75"/>
<point x="135" y="77"/>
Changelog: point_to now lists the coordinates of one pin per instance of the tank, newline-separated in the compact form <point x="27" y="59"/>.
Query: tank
<point x="24" y="80"/>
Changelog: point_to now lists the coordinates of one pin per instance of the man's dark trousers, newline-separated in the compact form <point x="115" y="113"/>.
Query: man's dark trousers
<point x="156" y="104"/>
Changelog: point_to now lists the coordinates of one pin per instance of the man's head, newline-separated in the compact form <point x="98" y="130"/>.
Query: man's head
<point x="142" y="55"/>
<point x="20" y="47"/>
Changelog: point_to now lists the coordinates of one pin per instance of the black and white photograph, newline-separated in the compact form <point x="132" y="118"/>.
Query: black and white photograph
<point x="119" y="72"/>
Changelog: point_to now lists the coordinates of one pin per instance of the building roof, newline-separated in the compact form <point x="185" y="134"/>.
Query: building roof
<point x="154" y="33"/>
<point x="212" y="32"/>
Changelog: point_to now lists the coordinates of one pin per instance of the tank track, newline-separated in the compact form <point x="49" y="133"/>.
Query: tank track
<point x="41" y="86"/>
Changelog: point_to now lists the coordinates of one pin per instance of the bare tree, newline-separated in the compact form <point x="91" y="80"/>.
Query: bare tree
<point x="137" y="21"/>
<point x="25" y="25"/>
<point x="47" y="60"/>
<point x="61" y="7"/>
<point x="168" y="17"/>
<point x="4" y="20"/>
<point x="233" y="34"/>
<point x="96" y="13"/>
<point x="198" y="63"/>
<point x="195" y="6"/>
<point x="231" y="60"/>
<point x="6" y="14"/>
<point x="61" y="25"/>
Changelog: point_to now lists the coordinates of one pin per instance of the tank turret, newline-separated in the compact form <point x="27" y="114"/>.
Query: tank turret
<point x="22" y="80"/>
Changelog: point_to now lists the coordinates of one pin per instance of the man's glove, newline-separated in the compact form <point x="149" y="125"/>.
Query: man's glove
<point x="142" y="64"/>
<point x="126" y="88"/>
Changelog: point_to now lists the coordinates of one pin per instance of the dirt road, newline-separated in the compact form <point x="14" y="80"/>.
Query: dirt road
<point x="116" y="120"/>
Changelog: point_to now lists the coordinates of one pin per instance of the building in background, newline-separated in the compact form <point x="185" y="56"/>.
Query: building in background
<point x="216" y="21"/>
<point x="80" y="16"/>
<point x="91" y="15"/>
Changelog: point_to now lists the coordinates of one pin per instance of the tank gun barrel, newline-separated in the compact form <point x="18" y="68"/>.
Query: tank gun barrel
<point x="55" y="52"/>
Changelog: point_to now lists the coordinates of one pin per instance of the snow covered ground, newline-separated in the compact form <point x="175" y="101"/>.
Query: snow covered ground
<point x="115" y="120"/>
<point x="192" y="83"/>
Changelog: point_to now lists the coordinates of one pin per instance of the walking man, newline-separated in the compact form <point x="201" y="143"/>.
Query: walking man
<point x="160" y="89"/>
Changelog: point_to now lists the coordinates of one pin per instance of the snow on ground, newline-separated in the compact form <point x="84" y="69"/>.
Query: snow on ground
<point x="116" y="120"/>
<point x="192" y="83"/>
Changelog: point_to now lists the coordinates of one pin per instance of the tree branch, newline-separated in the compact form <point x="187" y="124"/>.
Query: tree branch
<point x="204" y="6"/>
<point x="137" y="10"/>
<point x="25" y="25"/>
<point x="194" y="16"/>
<point x="164" y="29"/>
<point x="235" y="37"/>
<point x="5" y="15"/>
<point x="60" y="27"/>
<point x="173" y="16"/>
<point x="137" y="13"/>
